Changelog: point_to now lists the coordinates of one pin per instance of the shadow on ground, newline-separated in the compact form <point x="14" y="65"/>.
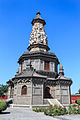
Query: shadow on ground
<point x="4" y="113"/>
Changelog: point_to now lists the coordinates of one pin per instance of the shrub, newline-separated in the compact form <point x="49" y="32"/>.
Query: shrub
<point x="55" y="110"/>
<point x="73" y="109"/>
<point x="78" y="110"/>
<point x="78" y="101"/>
<point x="39" y="109"/>
<point x="70" y="109"/>
<point x="3" y="106"/>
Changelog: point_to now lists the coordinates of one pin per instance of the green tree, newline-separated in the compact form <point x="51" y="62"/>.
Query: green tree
<point x="77" y="101"/>
<point x="3" y="89"/>
<point x="78" y="91"/>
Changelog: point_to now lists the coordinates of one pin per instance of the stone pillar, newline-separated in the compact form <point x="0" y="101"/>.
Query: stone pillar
<point x="9" y="89"/>
<point x="42" y="92"/>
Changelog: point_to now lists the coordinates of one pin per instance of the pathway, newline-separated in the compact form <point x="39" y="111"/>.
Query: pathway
<point x="27" y="114"/>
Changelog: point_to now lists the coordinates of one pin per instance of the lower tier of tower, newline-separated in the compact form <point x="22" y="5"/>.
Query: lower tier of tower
<point x="36" y="91"/>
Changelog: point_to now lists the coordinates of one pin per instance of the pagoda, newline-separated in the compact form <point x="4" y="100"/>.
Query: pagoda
<point x="38" y="80"/>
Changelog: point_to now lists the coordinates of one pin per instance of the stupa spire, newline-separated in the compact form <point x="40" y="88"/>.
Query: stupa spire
<point x="38" y="38"/>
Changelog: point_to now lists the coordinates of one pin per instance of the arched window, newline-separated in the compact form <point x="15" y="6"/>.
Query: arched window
<point x="24" y="90"/>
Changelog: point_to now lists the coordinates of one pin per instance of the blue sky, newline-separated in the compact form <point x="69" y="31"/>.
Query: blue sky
<point x="62" y="28"/>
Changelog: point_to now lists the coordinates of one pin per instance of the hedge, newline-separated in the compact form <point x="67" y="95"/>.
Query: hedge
<point x="57" y="110"/>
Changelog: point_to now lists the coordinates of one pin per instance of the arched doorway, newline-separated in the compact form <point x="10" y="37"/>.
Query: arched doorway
<point x="47" y="92"/>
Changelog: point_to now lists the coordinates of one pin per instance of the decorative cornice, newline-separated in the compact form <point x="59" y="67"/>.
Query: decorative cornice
<point x="39" y="46"/>
<point x="59" y="82"/>
<point x="38" y="20"/>
<point x="28" y="55"/>
<point x="38" y="80"/>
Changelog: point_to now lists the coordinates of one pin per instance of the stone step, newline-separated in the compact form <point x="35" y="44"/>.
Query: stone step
<point x="19" y="106"/>
<point x="54" y="102"/>
<point x="26" y="106"/>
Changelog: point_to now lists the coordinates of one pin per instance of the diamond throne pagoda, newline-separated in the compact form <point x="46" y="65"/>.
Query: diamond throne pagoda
<point x="38" y="80"/>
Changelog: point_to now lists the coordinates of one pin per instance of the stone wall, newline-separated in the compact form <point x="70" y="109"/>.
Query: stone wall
<point x="22" y="99"/>
<point x="38" y="64"/>
<point x="62" y="93"/>
<point x="10" y="91"/>
<point x="34" y="93"/>
<point x="37" y="95"/>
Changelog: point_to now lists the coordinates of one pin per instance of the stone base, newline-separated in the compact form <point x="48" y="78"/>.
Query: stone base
<point x="20" y="106"/>
<point x="26" y="106"/>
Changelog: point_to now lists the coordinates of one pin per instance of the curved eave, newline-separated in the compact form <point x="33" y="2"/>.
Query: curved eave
<point x="23" y="77"/>
<point x="65" y="79"/>
<point x="38" y="54"/>
<point x="9" y="81"/>
<point x="38" y="20"/>
<point x="62" y="81"/>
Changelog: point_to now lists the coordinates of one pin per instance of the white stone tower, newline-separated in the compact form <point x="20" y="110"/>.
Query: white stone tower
<point x="38" y="38"/>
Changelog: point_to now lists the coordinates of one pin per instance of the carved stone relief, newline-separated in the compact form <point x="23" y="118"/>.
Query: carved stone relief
<point x="38" y="35"/>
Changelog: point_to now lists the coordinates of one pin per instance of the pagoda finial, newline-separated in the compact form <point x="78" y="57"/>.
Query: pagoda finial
<point x="38" y="15"/>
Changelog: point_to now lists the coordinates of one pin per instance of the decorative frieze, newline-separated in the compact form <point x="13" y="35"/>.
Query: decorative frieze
<point x="38" y="35"/>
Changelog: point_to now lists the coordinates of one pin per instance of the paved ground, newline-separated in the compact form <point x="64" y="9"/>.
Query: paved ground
<point x="27" y="114"/>
<point x="68" y="117"/>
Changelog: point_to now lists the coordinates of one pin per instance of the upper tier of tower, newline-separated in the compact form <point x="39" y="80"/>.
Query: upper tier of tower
<point x="38" y="38"/>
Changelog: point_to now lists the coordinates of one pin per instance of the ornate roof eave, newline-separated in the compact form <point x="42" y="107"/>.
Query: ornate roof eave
<point x="26" y="79"/>
<point x="9" y="81"/>
<point x="38" y="20"/>
<point x="53" y="79"/>
<point x="65" y="80"/>
<point x="32" y="76"/>
<point x="58" y="82"/>
<point x="38" y="54"/>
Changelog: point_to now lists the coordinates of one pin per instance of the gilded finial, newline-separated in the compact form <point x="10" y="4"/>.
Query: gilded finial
<point x="38" y="15"/>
